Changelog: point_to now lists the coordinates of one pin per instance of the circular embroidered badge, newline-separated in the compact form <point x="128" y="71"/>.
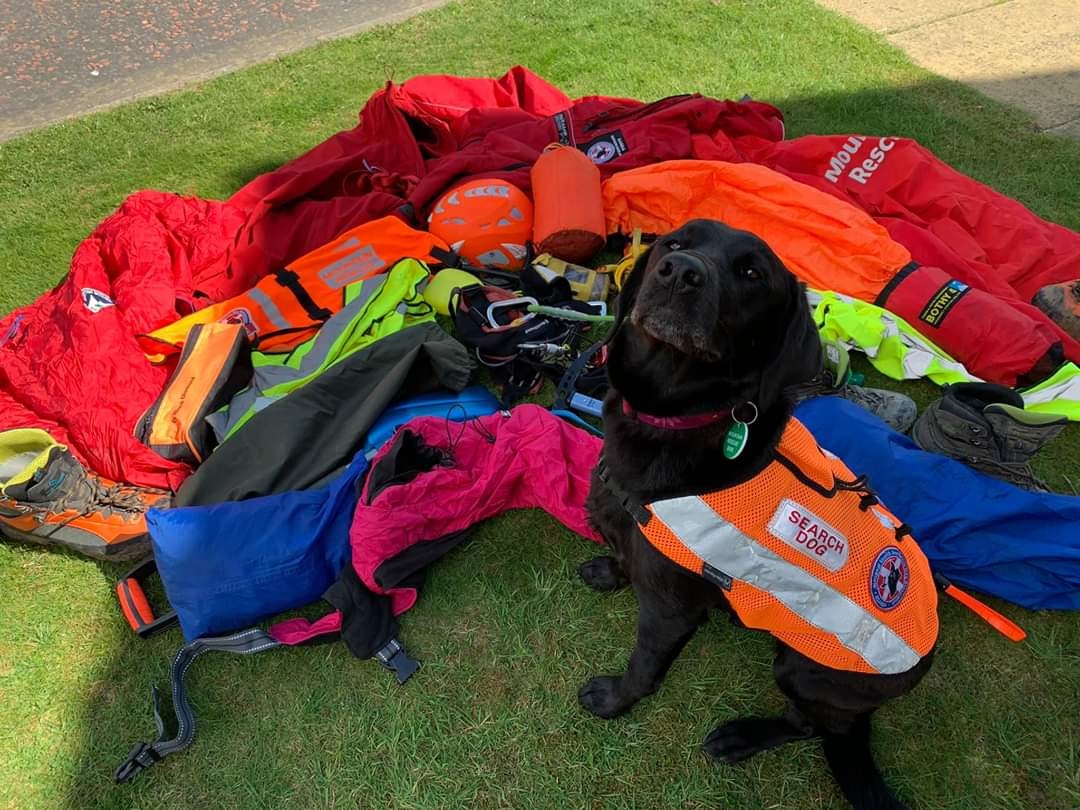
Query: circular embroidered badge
<point x="601" y="152"/>
<point x="889" y="578"/>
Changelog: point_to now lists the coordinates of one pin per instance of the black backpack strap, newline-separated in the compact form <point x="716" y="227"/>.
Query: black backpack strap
<point x="567" y="384"/>
<point x="143" y="755"/>
<point x="632" y="505"/>
<point x="407" y="211"/>
<point x="291" y="281"/>
<point x="447" y="258"/>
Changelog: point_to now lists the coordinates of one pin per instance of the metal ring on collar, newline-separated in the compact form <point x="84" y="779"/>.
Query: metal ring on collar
<point x="751" y="420"/>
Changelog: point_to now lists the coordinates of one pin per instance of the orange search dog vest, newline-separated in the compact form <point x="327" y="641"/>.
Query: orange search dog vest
<point x="805" y="551"/>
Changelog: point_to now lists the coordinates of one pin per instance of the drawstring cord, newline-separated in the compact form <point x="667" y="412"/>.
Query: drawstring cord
<point x="465" y="423"/>
<point x="861" y="487"/>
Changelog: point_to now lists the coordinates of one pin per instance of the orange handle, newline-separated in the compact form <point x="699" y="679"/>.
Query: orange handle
<point x="1011" y="631"/>
<point x="134" y="604"/>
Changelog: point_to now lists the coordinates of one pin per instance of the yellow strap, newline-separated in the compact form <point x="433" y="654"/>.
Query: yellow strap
<point x="620" y="270"/>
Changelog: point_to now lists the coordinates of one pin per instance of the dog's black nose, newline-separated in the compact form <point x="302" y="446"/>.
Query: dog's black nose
<point x="685" y="271"/>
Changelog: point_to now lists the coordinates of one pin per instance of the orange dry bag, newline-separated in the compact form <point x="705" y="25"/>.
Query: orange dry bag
<point x="568" y="208"/>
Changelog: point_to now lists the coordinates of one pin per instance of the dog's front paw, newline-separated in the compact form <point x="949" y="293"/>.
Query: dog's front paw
<point x="601" y="696"/>
<point x="603" y="574"/>
<point x="734" y="741"/>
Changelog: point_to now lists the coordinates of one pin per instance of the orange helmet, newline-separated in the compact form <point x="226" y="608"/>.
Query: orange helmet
<point x="487" y="222"/>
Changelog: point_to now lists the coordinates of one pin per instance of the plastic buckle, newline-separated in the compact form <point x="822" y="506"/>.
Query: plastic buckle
<point x="639" y="513"/>
<point x="566" y="397"/>
<point x="393" y="657"/>
<point x="142" y="756"/>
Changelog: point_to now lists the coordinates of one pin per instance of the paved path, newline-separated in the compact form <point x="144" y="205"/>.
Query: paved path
<point x="63" y="58"/>
<point x="1023" y="52"/>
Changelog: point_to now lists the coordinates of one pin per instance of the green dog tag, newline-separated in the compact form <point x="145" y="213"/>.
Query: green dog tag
<point x="735" y="440"/>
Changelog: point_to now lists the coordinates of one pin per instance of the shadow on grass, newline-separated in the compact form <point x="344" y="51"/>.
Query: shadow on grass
<point x="997" y="145"/>
<point x="241" y="176"/>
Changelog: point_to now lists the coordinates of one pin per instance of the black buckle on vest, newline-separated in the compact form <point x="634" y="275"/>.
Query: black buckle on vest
<point x="393" y="657"/>
<point x="291" y="281"/>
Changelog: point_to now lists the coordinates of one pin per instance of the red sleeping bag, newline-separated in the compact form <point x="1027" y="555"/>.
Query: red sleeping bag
<point x="69" y="362"/>
<point x="992" y="339"/>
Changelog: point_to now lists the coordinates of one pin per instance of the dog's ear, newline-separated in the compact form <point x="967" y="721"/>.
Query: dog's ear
<point x="628" y="294"/>
<point x="799" y="357"/>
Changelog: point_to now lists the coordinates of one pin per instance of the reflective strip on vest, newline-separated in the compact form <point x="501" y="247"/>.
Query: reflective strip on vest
<point x="723" y="546"/>
<point x="273" y="314"/>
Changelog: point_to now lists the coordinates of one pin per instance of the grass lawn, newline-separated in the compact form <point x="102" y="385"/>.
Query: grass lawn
<point x="506" y="630"/>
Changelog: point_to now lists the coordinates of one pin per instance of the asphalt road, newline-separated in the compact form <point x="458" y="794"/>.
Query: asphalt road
<point x="64" y="58"/>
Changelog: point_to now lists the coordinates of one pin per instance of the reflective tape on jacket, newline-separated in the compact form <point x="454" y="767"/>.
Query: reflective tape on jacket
<point x="290" y="305"/>
<point x="378" y="307"/>
<point x="805" y="552"/>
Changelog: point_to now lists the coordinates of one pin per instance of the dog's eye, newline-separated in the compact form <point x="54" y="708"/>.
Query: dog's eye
<point x="673" y="244"/>
<point x="751" y="272"/>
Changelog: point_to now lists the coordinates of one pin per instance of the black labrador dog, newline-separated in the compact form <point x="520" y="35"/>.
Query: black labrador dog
<point x="710" y="319"/>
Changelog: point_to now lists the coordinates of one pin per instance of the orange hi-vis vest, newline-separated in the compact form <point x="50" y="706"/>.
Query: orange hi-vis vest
<point x="288" y="306"/>
<point x="805" y="551"/>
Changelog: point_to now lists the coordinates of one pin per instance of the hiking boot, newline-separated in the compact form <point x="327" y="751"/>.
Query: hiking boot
<point x="892" y="408"/>
<point x="1061" y="303"/>
<point x="48" y="497"/>
<point x="895" y="409"/>
<point x="985" y="426"/>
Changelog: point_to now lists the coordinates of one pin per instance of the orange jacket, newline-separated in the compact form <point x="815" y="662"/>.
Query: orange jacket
<point x="804" y="551"/>
<point x="289" y="305"/>
<point x="826" y="242"/>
